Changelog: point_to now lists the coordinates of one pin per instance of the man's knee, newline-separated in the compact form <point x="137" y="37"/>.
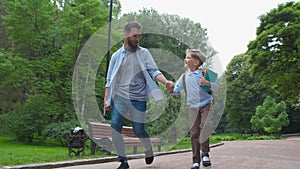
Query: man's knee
<point x="141" y="133"/>
<point x="116" y="127"/>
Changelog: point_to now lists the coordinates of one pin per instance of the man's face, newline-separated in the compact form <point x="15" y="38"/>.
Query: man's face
<point x="133" y="38"/>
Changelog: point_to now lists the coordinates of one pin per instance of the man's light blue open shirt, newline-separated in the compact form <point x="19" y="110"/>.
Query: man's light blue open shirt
<point x="148" y="67"/>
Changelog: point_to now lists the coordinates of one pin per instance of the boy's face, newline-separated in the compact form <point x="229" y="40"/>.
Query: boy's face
<point x="190" y="62"/>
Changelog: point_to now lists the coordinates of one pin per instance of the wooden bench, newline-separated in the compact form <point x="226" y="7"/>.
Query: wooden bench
<point x="100" y="134"/>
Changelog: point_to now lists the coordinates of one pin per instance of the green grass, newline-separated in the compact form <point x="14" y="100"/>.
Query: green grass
<point x="186" y="143"/>
<point x="215" y="139"/>
<point x="16" y="153"/>
<point x="231" y="137"/>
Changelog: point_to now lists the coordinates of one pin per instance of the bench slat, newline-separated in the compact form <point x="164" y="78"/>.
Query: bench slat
<point x="100" y="131"/>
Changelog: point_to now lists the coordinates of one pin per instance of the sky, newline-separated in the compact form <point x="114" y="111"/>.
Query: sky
<point x="230" y="24"/>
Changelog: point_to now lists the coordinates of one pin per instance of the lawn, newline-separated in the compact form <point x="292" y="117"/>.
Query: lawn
<point x="22" y="153"/>
<point x="16" y="153"/>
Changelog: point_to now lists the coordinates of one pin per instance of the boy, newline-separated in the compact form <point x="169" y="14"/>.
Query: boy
<point x="199" y="102"/>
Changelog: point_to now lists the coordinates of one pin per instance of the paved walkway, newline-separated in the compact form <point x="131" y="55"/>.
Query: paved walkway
<point x="258" y="154"/>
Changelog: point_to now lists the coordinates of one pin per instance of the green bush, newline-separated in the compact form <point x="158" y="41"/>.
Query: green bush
<point x="29" y="120"/>
<point x="264" y="137"/>
<point x="227" y="137"/>
<point x="57" y="130"/>
<point x="270" y="117"/>
<point x="231" y="137"/>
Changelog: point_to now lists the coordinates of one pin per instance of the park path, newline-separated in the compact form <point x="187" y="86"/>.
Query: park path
<point x="256" y="154"/>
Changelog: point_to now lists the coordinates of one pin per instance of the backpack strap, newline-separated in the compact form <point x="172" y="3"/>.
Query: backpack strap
<point x="184" y="84"/>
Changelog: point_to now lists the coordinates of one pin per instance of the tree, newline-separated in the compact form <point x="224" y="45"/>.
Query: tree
<point x="29" y="119"/>
<point x="46" y="38"/>
<point x="244" y="93"/>
<point x="15" y="77"/>
<point x="274" y="56"/>
<point x="31" y="27"/>
<point x="275" y="53"/>
<point x="4" y="44"/>
<point x="78" y="21"/>
<point x="184" y="33"/>
<point x="32" y="31"/>
<point x="218" y="117"/>
<point x="270" y="117"/>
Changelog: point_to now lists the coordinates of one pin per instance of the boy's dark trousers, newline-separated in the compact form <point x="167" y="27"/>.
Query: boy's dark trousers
<point x="200" y="131"/>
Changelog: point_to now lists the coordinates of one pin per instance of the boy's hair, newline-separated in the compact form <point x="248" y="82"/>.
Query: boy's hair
<point x="132" y="24"/>
<point x="197" y="54"/>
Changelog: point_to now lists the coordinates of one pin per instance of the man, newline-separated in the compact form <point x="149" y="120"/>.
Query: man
<point x="129" y="84"/>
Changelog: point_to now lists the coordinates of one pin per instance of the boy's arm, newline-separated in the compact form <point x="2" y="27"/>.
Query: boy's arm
<point x="178" y="86"/>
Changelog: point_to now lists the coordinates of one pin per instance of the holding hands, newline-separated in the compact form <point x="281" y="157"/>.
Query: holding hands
<point x="170" y="86"/>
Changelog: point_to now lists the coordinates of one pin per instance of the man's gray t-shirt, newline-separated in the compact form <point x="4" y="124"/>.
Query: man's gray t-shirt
<point x="131" y="83"/>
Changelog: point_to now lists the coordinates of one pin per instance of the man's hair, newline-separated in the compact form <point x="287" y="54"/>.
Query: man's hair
<point x="133" y="24"/>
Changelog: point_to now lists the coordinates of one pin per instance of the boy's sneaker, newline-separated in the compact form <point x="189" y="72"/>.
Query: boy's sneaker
<point x="206" y="160"/>
<point x="195" y="166"/>
<point x="123" y="166"/>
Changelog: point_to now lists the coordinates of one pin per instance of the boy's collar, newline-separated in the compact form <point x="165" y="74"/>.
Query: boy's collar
<point x="195" y="72"/>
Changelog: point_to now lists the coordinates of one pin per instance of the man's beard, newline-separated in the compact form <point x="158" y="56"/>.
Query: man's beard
<point x="133" y="44"/>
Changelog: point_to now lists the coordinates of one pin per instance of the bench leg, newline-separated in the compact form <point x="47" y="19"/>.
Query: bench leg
<point x="106" y="145"/>
<point x="134" y="149"/>
<point x="93" y="147"/>
<point x="83" y="148"/>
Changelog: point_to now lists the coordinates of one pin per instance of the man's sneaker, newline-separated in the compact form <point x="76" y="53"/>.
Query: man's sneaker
<point x="149" y="157"/>
<point x="123" y="166"/>
<point x="205" y="160"/>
